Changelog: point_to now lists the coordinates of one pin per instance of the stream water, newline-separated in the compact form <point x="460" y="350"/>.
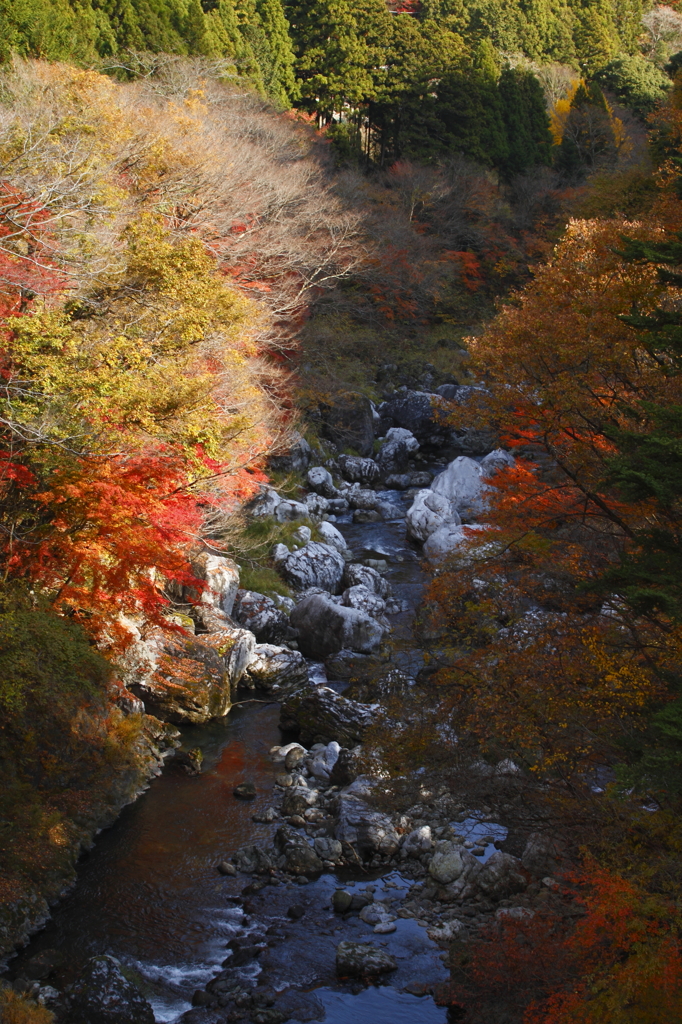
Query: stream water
<point x="149" y="893"/>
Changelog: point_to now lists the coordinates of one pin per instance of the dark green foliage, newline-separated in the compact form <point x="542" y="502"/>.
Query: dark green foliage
<point x="527" y="126"/>
<point x="635" y="82"/>
<point x="46" y="662"/>
<point x="254" y="35"/>
<point x="657" y="763"/>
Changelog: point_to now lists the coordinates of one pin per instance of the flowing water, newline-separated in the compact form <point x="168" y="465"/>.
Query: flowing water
<point x="149" y="893"/>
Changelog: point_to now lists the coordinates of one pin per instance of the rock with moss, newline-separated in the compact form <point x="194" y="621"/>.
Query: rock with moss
<point x="103" y="995"/>
<point x="186" y="679"/>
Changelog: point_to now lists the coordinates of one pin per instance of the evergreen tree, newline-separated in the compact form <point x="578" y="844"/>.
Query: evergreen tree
<point x="278" y="75"/>
<point x="529" y="139"/>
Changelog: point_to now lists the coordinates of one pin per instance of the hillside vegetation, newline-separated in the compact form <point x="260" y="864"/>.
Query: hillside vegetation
<point x="224" y="223"/>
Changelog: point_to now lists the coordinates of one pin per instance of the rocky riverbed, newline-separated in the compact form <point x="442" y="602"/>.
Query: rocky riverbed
<point x="281" y="886"/>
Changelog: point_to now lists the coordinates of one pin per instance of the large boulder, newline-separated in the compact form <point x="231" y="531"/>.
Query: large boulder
<point x="462" y="485"/>
<point x="359" y="470"/>
<point x="448" y="538"/>
<point x="452" y="863"/>
<point x="429" y="512"/>
<point x="495" y="460"/>
<point x="296" y="460"/>
<point x="420" y="412"/>
<point x="103" y="995"/>
<point x="396" y="449"/>
<point x="237" y="648"/>
<point x="265" y="502"/>
<point x="299" y="858"/>
<point x="363" y="960"/>
<point x="503" y="875"/>
<point x="320" y="481"/>
<point x="276" y="670"/>
<point x="180" y="679"/>
<point x="212" y="605"/>
<point x="261" y="616"/>
<point x="319" y="715"/>
<point x="361" y="826"/>
<point x="315" y="565"/>
<point x="362" y="498"/>
<point x="325" y="628"/>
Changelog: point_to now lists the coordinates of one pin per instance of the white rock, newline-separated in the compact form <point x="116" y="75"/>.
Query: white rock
<point x="279" y="553"/>
<point x="330" y="535"/>
<point x="495" y="460"/>
<point x="417" y="842"/>
<point x="266" y="502"/>
<point x="448" y="538"/>
<point x="428" y="512"/>
<point x="405" y="436"/>
<point x="364" y="599"/>
<point x="462" y="484"/>
<point x="446" y="932"/>
<point x="320" y="480"/>
<point x="303" y="534"/>
<point x="316" y="565"/>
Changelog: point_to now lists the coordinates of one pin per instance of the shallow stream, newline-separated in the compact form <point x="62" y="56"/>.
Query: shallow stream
<point x="149" y="892"/>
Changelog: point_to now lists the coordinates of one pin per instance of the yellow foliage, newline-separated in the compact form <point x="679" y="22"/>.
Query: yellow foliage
<point x="15" y="1009"/>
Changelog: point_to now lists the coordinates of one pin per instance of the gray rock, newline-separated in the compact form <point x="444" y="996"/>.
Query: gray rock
<point x="221" y="576"/>
<point x="420" y="412"/>
<point x="303" y="534"/>
<point x="296" y="460"/>
<point x="315" y="565"/>
<point x="417" y="842"/>
<point x="325" y="627"/>
<point x="462" y="485"/>
<point x="317" y="505"/>
<point x="448" y="538"/>
<point x="261" y="616"/>
<point x="346" y="769"/>
<point x="330" y="535"/>
<point x="401" y="481"/>
<point x="341" y="901"/>
<point x="279" y="553"/>
<point x="376" y="913"/>
<point x="237" y="648"/>
<point x="365" y="600"/>
<point x="429" y="512"/>
<point x="102" y="995"/>
<point x="362" y="498"/>
<point x="359" y="470"/>
<point x="396" y="450"/>
<point x="324" y="761"/>
<point x="245" y="791"/>
<point x="362" y="574"/>
<point x="389" y="512"/>
<point x="265" y="503"/>
<point x="362" y="960"/>
<point x="447" y="864"/>
<point x="361" y="826"/>
<point x="422" y="478"/>
<point x="502" y="875"/>
<point x="288" y="510"/>
<point x="320" y="714"/>
<point x="252" y="860"/>
<point x="328" y="849"/>
<point x="276" y="670"/>
<point x="298" y="799"/>
<point x="299" y="856"/>
<point x="497" y="459"/>
<point x="543" y="855"/>
<point x="320" y="480"/>
<point x="448" y="391"/>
